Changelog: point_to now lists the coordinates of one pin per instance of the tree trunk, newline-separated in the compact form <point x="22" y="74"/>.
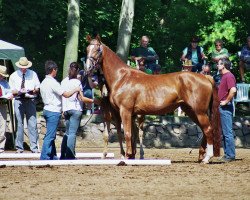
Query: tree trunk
<point x="125" y="28"/>
<point x="73" y="22"/>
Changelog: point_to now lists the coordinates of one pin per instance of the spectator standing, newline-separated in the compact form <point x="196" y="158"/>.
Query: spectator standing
<point x="24" y="84"/>
<point x="226" y="92"/>
<point x="218" y="53"/>
<point x="194" y="53"/>
<point x="244" y="63"/>
<point x="72" y="111"/>
<point x="5" y="93"/>
<point x="148" y="53"/>
<point x="52" y="92"/>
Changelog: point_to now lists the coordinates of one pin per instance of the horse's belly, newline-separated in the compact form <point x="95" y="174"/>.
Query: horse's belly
<point x="154" y="109"/>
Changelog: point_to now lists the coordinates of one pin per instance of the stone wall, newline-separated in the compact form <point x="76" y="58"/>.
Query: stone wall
<point x="159" y="132"/>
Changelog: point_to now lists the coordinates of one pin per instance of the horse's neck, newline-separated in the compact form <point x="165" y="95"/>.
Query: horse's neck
<point x="112" y="66"/>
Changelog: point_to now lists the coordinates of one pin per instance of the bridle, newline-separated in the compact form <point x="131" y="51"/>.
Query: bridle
<point x="95" y="61"/>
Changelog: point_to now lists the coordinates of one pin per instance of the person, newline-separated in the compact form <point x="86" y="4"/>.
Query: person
<point x="226" y="93"/>
<point x="148" y="53"/>
<point x="5" y="93"/>
<point x="206" y="70"/>
<point x="51" y="92"/>
<point x="244" y="63"/>
<point x="72" y="111"/>
<point x="218" y="53"/>
<point x="24" y="84"/>
<point x="194" y="53"/>
<point x="88" y="82"/>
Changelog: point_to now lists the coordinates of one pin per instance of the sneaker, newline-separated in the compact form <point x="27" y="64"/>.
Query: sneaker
<point x="226" y="160"/>
<point x="19" y="151"/>
<point x="36" y="151"/>
<point x="221" y="158"/>
<point x="1" y="150"/>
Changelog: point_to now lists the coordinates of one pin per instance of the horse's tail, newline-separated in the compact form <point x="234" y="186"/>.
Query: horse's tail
<point x="215" y="118"/>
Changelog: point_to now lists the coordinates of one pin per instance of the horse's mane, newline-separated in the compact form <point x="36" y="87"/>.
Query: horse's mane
<point x="114" y="57"/>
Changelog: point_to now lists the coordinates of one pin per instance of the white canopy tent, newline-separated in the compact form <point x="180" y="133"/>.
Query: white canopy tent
<point x="10" y="52"/>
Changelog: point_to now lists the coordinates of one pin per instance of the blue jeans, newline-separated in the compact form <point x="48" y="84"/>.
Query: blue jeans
<point x="226" y="114"/>
<point x="26" y="107"/>
<point x="49" y="148"/>
<point x="72" y="120"/>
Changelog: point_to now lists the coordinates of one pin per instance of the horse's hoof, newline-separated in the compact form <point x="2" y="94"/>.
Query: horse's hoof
<point x="130" y="156"/>
<point x="104" y="155"/>
<point x="204" y="162"/>
<point x="206" y="159"/>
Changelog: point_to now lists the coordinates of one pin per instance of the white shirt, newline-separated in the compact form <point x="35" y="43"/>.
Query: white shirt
<point x="51" y="92"/>
<point x="71" y="103"/>
<point x="6" y="92"/>
<point x="31" y="81"/>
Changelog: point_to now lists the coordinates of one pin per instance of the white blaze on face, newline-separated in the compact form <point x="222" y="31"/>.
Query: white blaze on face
<point x="91" y="47"/>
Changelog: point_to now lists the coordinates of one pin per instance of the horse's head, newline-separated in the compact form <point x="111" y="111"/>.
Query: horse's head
<point x="94" y="54"/>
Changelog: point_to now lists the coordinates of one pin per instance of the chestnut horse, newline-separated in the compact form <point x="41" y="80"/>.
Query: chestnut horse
<point x="133" y="92"/>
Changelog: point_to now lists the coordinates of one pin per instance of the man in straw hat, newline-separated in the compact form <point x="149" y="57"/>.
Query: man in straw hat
<point x="24" y="84"/>
<point x="5" y="93"/>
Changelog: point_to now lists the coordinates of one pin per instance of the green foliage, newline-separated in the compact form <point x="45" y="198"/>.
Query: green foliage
<point x="40" y="27"/>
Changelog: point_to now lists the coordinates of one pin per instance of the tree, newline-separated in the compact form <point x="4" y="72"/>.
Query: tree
<point x="125" y="28"/>
<point x="73" y="22"/>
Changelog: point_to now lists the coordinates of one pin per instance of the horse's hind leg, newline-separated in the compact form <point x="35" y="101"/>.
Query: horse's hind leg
<point x="202" y="149"/>
<point x="119" y="133"/>
<point x="202" y="120"/>
<point x="106" y="138"/>
<point x="207" y="142"/>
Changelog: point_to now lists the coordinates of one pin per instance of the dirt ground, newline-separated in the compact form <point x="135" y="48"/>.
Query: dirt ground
<point x="183" y="179"/>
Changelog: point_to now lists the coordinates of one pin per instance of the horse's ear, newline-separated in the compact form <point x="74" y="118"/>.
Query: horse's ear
<point x="98" y="38"/>
<point x="88" y="38"/>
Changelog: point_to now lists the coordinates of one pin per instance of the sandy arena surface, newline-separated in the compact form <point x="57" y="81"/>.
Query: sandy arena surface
<point x="183" y="179"/>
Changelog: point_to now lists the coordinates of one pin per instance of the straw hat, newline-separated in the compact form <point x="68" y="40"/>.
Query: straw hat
<point x="188" y="63"/>
<point x="23" y="63"/>
<point x="3" y="71"/>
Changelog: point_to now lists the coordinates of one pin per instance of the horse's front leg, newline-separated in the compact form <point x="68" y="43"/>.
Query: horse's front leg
<point x="140" y="120"/>
<point x="126" y="120"/>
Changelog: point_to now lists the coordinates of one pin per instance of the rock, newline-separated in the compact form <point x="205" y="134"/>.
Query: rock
<point x="151" y="129"/>
<point x="247" y="139"/>
<point x="245" y="129"/>
<point x="239" y="141"/>
<point x="159" y="129"/>
<point x="238" y="132"/>
<point x="192" y="130"/>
